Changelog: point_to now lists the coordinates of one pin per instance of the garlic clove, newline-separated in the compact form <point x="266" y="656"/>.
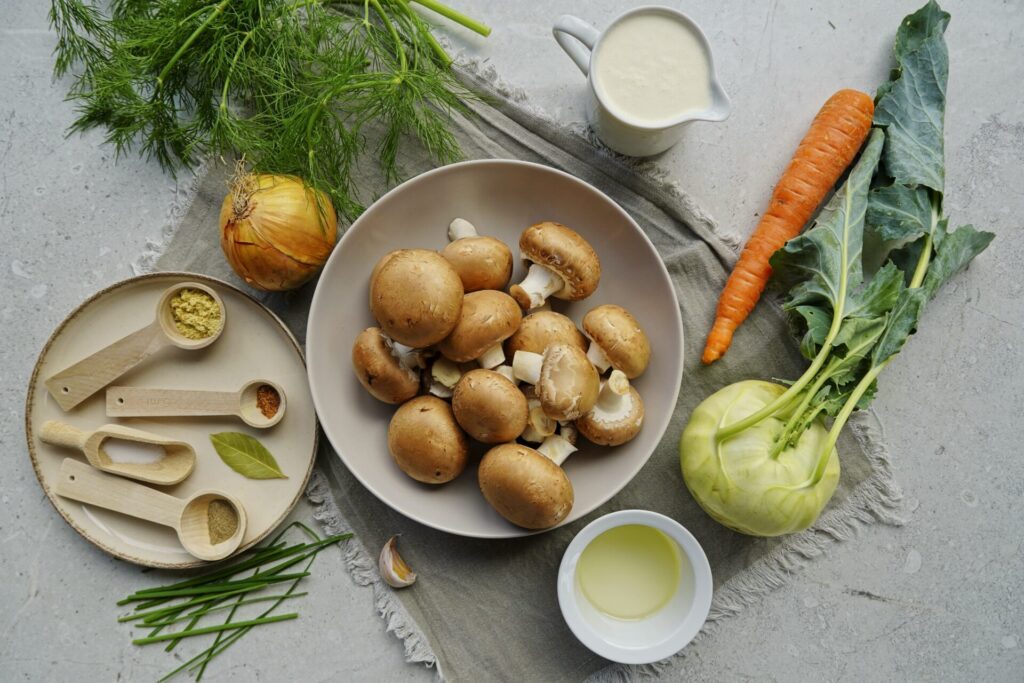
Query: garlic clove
<point x="393" y="569"/>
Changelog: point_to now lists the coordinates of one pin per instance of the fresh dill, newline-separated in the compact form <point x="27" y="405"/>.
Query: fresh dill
<point x="294" y="86"/>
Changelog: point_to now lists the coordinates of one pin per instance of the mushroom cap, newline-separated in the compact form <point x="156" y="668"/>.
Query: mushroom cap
<point x="540" y="330"/>
<point x="605" y="429"/>
<point x="620" y="336"/>
<point x="379" y="371"/>
<point x="426" y="442"/>
<point x="569" y="383"/>
<point x="524" y="487"/>
<point x="376" y="269"/>
<point x="416" y="297"/>
<point x="488" y="318"/>
<point x="489" y="407"/>
<point x="481" y="262"/>
<point x="564" y="251"/>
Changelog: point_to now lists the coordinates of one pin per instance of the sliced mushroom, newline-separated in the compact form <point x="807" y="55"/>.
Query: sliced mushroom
<point x="617" y="340"/>
<point x="538" y="425"/>
<point x="379" y="370"/>
<point x="481" y="262"/>
<point x="426" y="442"/>
<point x="489" y="407"/>
<point x="444" y="375"/>
<point x="563" y="265"/>
<point x="416" y="297"/>
<point x="540" y="330"/>
<point x="524" y="487"/>
<point x="617" y="416"/>
<point x="488" y="318"/>
<point x="566" y="382"/>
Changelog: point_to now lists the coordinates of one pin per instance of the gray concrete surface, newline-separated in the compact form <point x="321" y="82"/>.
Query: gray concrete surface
<point x="941" y="598"/>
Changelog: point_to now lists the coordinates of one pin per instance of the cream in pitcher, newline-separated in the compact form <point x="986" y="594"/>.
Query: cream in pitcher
<point x="650" y="72"/>
<point x="653" y="68"/>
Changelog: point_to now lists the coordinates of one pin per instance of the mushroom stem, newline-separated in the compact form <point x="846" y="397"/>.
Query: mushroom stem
<point x="460" y="228"/>
<point x="539" y="284"/>
<point x="568" y="431"/>
<point x="556" y="449"/>
<point x="538" y="425"/>
<point x="408" y="357"/>
<point x="445" y="373"/>
<point x="614" y="401"/>
<point x="492" y="357"/>
<point x="598" y="357"/>
<point x="526" y="366"/>
<point x="506" y="372"/>
<point x="439" y="390"/>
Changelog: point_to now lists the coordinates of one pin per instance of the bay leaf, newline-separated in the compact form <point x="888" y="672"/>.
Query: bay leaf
<point x="246" y="455"/>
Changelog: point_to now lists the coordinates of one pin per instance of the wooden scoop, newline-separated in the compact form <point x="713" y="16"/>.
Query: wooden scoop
<point x="178" y="461"/>
<point x="73" y="385"/>
<point x="144" y="402"/>
<point x="188" y="517"/>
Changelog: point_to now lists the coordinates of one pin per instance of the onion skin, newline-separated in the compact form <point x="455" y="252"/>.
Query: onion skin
<point x="737" y="483"/>
<point x="273" y="233"/>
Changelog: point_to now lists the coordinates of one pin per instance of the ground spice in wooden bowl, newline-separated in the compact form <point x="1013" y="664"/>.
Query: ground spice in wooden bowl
<point x="195" y="313"/>
<point x="222" y="521"/>
<point x="268" y="400"/>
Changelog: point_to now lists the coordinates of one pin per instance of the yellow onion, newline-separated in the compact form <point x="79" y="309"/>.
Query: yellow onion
<point x="275" y="231"/>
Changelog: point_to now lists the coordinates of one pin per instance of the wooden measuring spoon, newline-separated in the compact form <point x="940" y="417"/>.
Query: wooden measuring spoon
<point x="146" y="402"/>
<point x="71" y="386"/>
<point x="178" y="462"/>
<point x="189" y="517"/>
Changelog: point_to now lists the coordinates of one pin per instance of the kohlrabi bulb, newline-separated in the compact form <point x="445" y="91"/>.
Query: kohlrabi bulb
<point x="737" y="481"/>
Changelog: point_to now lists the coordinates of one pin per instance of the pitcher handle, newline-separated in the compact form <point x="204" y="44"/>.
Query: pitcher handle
<point x="568" y="26"/>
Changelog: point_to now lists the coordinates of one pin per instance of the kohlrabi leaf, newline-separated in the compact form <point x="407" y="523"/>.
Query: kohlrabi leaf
<point x="812" y="324"/>
<point x="898" y="213"/>
<point x="855" y="340"/>
<point x="823" y="265"/>
<point x="901" y="324"/>
<point x="912" y="105"/>
<point x="953" y="254"/>
<point x="878" y="296"/>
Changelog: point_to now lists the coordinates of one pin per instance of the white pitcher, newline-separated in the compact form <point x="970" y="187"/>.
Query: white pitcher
<point x="621" y="131"/>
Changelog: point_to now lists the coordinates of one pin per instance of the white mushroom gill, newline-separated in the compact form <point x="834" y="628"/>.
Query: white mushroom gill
<point x="460" y="228"/>
<point x="540" y="283"/>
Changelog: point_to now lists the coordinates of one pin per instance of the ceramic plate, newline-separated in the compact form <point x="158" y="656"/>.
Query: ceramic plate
<point x="254" y="344"/>
<point x="500" y="198"/>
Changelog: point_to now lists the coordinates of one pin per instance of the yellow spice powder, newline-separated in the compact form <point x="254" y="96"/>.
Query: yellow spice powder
<point x="196" y="315"/>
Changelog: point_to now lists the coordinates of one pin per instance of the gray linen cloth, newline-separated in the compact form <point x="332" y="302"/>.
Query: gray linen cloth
<point x="487" y="610"/>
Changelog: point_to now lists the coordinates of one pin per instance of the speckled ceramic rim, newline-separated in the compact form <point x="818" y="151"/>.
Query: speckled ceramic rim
<point x="189" y="564"/>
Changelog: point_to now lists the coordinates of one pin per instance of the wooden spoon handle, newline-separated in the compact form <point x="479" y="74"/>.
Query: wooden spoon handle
<point x="61" y="434"/>
<point x="85" y="484"/>
<point x="73" y="385"/>
<point x="144" y="402"/>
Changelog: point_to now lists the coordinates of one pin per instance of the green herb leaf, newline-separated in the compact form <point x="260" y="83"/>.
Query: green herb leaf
<point x="246" y="455"/>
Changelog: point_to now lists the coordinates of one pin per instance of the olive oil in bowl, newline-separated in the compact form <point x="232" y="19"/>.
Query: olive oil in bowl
<point x="630" y="571"/>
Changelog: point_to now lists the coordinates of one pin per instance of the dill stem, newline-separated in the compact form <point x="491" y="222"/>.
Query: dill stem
<point x="386" y="20"/>
<point x="231" y="69"/>
<point x="457" y="17"/>
<point x="217" y="11"/>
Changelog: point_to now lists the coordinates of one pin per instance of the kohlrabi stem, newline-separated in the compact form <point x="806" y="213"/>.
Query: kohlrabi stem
<point x="796" y="420"/>
<point x="457" y="17"/>
<point x="858" y="391"/>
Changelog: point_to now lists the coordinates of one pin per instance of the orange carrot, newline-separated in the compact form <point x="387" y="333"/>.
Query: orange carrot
<point x="832" y="142"/>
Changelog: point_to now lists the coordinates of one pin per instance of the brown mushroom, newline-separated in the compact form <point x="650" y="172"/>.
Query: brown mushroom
<point x="540" y="330"/>
<point x="524" y="487"/>
<point x="617" y="416"/>
<point x="566" y="382"/>
<point x="563" y="265"/>
<point x="489" y="407"/>
<point x="380" y="371"/>
<point x="426" y="442"/>
<point x="481" y="262"/>
<point x="617" y="340"/>
<point x="488" y="318"/>
<point x="416" y="297"/>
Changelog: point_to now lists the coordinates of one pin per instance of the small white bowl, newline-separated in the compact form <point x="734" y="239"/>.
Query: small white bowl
<point x="654" y="637"/>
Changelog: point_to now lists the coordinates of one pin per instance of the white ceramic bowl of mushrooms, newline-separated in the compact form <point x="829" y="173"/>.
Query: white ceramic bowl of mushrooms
<point x="494" y="348"/>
